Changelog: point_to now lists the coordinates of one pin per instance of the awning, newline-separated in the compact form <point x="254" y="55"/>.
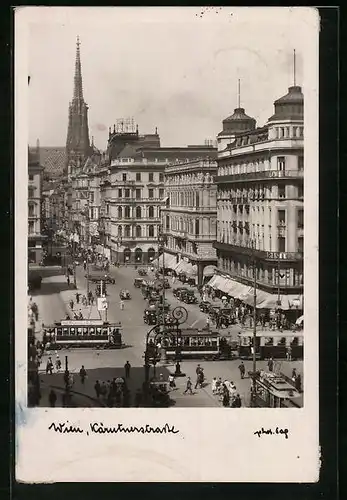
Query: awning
<point x="186" y="267"/>
<point x="300" y="320"/>
<point x="209" y="270"/>
<point x="265" y="300"/>
<point x="166" y="259"/>
<point x="212" y="281"/>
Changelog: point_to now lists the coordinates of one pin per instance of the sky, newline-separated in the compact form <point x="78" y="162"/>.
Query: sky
<point x="175" y="68"/>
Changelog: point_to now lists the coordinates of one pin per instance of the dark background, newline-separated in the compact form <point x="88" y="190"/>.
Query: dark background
<point x="329" y="258"/>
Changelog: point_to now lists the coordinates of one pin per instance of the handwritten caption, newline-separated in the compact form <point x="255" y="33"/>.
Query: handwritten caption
<point x="271" y="432"/>
<point x="100" y="428"/>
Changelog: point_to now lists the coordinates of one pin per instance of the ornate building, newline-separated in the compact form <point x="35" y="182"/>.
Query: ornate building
<point x="189" y="220"/>
<point x="77" y="143"/>
<point x="35" y="236"/>
<point x="260" y="203"/>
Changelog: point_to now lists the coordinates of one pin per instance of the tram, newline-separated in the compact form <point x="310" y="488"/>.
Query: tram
<point x="274" y="391"/>
<point x="84" y="333"/>
<point x="194" y="343"/>
<point x="273" y="344"/>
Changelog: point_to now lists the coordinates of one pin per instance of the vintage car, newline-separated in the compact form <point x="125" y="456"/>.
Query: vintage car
<point x="138" y="282"/>
<point x="188" y="297"/>
<point x="177" y="291"/>
<point x="125" y="295"/>
<point x="204" y="306"/>
<point x="150" y="316"/>
<point x="142" y="272"/>
<point x="182" y="277"/>
<point x="96" y="277"/>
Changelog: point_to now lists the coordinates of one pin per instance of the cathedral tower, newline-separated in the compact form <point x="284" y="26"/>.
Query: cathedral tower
<point x="77" y="143"/>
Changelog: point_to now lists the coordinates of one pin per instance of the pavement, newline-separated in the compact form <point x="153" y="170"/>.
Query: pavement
<point x="53" y="302"/>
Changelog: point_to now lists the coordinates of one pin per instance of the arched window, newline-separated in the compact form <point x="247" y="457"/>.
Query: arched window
<point x="119" y="230"/>
<point x="120" y="213"/>
<point x="150" y="212"/>
<point x="151" y="254"/>
<point x="168" y="222"/>
<point x="138" y="212"/>
<point x="138" y="255"/>
<point x="138" y="231"/>
<point x="151" y="231"/>
<point x="127" y="212"/>
<point x="31" y="210"/>
<point x="127" y="231"/>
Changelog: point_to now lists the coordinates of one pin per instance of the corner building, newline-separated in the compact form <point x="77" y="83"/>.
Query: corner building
<point x="260" y="204"/>
<point x="189" y="220"/>
<point x="134" y="192"/>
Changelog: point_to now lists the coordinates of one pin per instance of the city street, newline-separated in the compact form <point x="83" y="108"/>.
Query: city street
<point x="104" y="365"/>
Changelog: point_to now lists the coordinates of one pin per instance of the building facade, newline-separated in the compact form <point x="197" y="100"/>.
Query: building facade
<point x="260" y="203"/>
<point x="189" y="218"/>
<point x="35" y="237"/>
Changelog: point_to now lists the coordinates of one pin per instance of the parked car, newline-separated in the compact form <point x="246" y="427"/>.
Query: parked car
<point x="138" y="282"/>
<point x="204" y="306"/>
<point x="177" y="290"/>
<point x="150" y="316"/>
<point x="142" y="272"/>
<point x="125" y="295"/>
<point x="188" y="297"/>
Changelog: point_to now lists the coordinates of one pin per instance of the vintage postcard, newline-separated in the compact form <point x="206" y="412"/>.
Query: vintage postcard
<point x="166" y="267"/>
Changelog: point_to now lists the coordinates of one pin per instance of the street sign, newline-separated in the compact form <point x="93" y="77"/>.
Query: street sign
<point x="102" y="304"/>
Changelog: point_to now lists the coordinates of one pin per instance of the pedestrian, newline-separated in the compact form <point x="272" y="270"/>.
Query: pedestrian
<point x="237" y="403"/>
<point x="226" y="397"/>
<point x="77" y="297"/>
<point x="199" y="379"/>
<point x="214" y="385"/>
<point x="71" y="304"/>
<point x="294" y="374"/>
<point x="270" y="364"/>
<point x="172" y="383"/>
<point x="52" y="398"/>
<point x="83" y="374"/>
<point x="68" y="280"/>
<point x="49" y="366"/>
<point x="58" y="363"/>
<point x="127" y="367"/>
<point x="188" y="387"/>
<point x="121" y="305"/>
<point x="80" y="316"/>
<point x="298" y="383"/>
<point x="84" y="264"/>
<point x="97" y="388"/>
<point x="242" y="369"/>
<point x="289" y="353"/>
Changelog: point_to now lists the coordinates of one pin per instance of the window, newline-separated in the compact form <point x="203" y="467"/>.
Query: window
<point x="150" y="193"/>
<point x="31" y="210"/>
<point x="107" y="209"/>
<point x="120" y="231"/>
<point x="161" y="177"/>
<point x="197" y="227"/>
<point x="150" y="177"/>
<point x="127" y="212"/>
<point x="300" y="219"/>
<point x="138" y="212"/>
<point x="281" y="191"/>
<point x="168" y="222"/>
<point x="31" y="177"/>
<point x="138" y="176"/>
<point x="197" y="200"/>
<point x="138" y="231"/>
<point x="161" y="193"/>
<point x="31" y="227"/>
<point x="127" y="231"/>
<point x="150" y="212"/>
<point x="120" y="214"/>
<point x="300" y="191"/>
<point x="281" y="163"/>
<point x="151" y="231"/>
<point x="124" y="177"/>
<point x="301" y="244"/>
<point x="281" y="244"/>
<point x="127" y="193"/>
<point x="31" y="192"/>
<point x="92" y="197"/>
<point x="281" y="217"/>
<point x="120" y="193"/>
<point x="138" y="194"/>
<point x="300" y="163"/>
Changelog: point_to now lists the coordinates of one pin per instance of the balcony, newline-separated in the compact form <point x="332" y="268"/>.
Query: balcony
<point x="261" y="254"/>
<point x="124" y="201"/>
<point x="257" y="176"/>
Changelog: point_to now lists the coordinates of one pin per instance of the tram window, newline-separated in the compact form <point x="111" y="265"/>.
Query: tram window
<point x="295" y="341"/>
<point x="91" y="331"/>
<point x="65" y="331"/>
<point x="59" y="331"/>
<point x="269" y="341"/>
<point x="79" y="331"/>
<point x="214" y="342"/>
<point x="105" y="331"/>
<point x="72" y="331"/>
<point x="98" y="331"/>
<point x="282" y="341"/>
<point x="193" y="341"/>
<point x="186" y="341"/>
<point x="245" y="341"/>
<point x="85" y="331"/>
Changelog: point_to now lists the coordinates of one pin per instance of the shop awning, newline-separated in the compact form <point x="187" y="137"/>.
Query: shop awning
<point x="267" y="300"/>
<point x="166" y="259"/>
<point x="186" y="267"/>
<point x="212" y="281"/>
<point x="209" y="270"/>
